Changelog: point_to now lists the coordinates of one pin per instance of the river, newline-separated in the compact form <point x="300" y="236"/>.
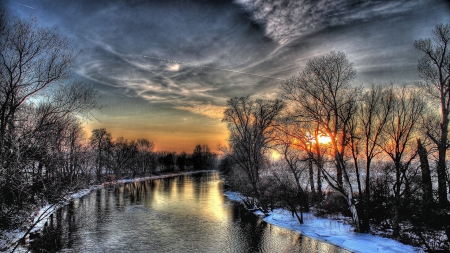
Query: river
<point x="187" y="213"/>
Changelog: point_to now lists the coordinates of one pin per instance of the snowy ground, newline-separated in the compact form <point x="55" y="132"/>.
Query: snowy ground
<point x="332" y="231"/>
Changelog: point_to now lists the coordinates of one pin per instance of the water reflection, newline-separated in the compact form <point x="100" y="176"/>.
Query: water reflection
<point x="182" y="214"/>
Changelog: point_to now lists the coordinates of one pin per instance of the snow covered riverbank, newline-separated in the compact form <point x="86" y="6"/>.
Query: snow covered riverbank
<point x="332" y="231"/>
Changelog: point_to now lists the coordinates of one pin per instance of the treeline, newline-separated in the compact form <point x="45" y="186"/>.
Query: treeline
<point x="377" y="154"/>
<point x="44" y="151"/>
<point x="121" y="158"/>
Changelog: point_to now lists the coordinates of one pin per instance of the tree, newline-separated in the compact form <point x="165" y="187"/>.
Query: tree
<point x="39" y="105"/>
<point x="31" y="59"/>
<point x="297" y="143"/>
<point x="182" y="161"/>
<point x="372" y="116"/>
<point x="203" y="158"/>
<point x="434" y="68"/>
<point x="322" y="93"/>
<point x="251" y="126"/>
<point x="290" y="194"/>
<point x="287" y="144"/>
<point x="398" y="143"/>
<point x="198" y="159"/>
<point x="145" y="150"/>
<point x="169" y="161"/>
<point x="75" y="141"/>
<point x="122" y="156"/>
<point x="427" y="185"/>
<point x="101" y="143"/>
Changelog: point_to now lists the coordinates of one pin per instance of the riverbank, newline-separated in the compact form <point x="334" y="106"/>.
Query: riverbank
<point x="333" y="231"/>
<point x="9" y="238"/>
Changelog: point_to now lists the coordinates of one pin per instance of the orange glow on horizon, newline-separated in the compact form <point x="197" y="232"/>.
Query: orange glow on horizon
<point x="171" y="140"/>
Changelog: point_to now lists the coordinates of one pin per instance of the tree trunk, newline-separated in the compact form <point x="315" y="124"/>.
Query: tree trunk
<point x="366" y="204"/>
<point x="311" y="176"/>
<point x="396" y="218"/>
<point x="339" y="166"/>
<point x="427" y="189"/>
<point x="364" y="222"/>
<point x="299" y="218"/>
<point x="319" y="164"/>
<point x="442" y="180"/>
<point x="355" y="215"/>
<point x="442" y="149"/>
<point x="319" y="183"/>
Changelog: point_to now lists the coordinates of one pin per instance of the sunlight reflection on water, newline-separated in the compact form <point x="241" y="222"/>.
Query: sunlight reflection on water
<point x="182" y="214"/>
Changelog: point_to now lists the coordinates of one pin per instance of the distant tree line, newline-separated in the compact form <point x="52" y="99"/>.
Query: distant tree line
<point x="128" y="159"/>
<point x="377" y="154"/>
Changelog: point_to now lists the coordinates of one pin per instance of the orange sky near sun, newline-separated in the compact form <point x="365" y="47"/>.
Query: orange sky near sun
<point x="171" y="137"/>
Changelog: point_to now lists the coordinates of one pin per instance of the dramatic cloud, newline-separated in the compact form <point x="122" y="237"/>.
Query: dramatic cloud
<point x="285" y="19"/>
<point x="168" y="67"/>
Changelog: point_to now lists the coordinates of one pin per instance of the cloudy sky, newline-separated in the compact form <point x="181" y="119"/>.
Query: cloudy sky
<point x="165" y="69"/>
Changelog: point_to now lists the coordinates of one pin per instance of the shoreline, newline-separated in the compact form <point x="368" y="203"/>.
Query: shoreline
<point x="329" y="230"/>
<point x="11" y="237"/>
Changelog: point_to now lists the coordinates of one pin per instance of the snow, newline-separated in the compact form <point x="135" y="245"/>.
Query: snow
<point x="9" y="237"/>
<point x="40" y="218"/>
<point x="332" y="231"/>
<point x="122" y="181"/>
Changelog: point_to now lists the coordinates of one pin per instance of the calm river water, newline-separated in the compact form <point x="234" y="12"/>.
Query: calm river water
<point x="186" y="213"/>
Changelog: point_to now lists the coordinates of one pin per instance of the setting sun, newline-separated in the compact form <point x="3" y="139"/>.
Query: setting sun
<point x="324" y="139"/>
<point x="275" y="155"/>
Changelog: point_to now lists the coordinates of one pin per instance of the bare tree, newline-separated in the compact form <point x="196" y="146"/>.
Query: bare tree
<point x="101" y="142"/>
<point x="373" y="114"/>
<point x="299" y="142"/>
<point x="434" y="68"/>
<point x="250" y="123"/>
<point x="38" y="108"/>
<point x="122" y="155"/>
<point x="182" y="161"/>
<point x="322" y="93"/>
<point x="202" y="158"/>
<point x="289" y="194"/>
<point x="427" y="184"/>
<point x="289" y="146"/>
<point x="398" y="142"/>
<point x="31" y="59"/>
<point x="145" y="150"/>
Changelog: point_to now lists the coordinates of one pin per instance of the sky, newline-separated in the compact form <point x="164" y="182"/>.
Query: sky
<point x="165" y="69"/>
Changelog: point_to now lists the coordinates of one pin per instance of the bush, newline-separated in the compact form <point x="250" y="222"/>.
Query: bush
<point x="333" y="203"/>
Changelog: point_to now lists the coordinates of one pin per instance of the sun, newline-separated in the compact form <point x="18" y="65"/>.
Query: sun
<point x="275" y="155"/>
<point x="324" y="139"/>
<point x="174" y="67"/>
